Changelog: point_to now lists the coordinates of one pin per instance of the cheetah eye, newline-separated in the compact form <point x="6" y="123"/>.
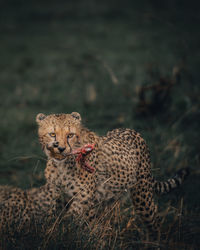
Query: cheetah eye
<point x="70" y="135"/>
<point x="52" y="134"/>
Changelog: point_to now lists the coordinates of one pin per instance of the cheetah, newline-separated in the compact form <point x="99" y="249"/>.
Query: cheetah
<point x="20" y="209"/>
<point x="118" y="163"/>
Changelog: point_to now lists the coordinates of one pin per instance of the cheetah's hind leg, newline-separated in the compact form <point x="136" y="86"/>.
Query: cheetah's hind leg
<point x="145" y="207"/>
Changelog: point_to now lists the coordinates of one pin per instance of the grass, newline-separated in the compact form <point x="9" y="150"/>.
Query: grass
<point x="91" y="57"/>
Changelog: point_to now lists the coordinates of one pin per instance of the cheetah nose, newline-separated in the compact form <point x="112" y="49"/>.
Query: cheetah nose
<point x="61" y="149"/>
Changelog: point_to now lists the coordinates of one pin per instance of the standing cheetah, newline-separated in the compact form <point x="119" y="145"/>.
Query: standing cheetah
<point x="119" y="162"/>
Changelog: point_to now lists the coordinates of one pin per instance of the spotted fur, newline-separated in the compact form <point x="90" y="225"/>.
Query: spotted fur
<point x="21" y="209"/>
<point x="121" y="160"/>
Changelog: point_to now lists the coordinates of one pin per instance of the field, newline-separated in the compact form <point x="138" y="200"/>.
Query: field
<point x="98" y="58"/>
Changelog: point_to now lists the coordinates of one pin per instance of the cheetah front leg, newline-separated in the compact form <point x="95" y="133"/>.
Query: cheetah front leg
<point x="145" y="207"/>
<point x="81" y="209"/>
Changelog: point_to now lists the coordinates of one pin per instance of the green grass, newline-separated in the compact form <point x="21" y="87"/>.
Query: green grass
<point x="51" y="55"/>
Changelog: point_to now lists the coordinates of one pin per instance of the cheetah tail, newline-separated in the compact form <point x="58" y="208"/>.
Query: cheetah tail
<point x="163" y="187"/>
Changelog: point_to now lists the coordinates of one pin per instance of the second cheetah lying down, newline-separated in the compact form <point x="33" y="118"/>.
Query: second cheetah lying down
<point x="19" y="209"/>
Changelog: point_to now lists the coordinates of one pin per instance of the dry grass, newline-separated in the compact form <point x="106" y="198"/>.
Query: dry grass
<point x="117" y="228"/>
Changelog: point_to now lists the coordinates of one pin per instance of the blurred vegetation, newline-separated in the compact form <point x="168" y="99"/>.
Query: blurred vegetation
<point x="94" y="57"/>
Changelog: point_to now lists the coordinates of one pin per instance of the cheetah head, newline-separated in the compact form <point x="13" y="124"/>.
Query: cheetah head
<point x="59" y="134"/>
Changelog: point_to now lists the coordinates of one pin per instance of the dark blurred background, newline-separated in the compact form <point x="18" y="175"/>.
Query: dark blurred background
<point x="119" y="63"/>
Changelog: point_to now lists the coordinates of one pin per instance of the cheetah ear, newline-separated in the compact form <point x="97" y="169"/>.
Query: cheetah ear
<point x="40" y="117"/>
<point x="76" y="116"/>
